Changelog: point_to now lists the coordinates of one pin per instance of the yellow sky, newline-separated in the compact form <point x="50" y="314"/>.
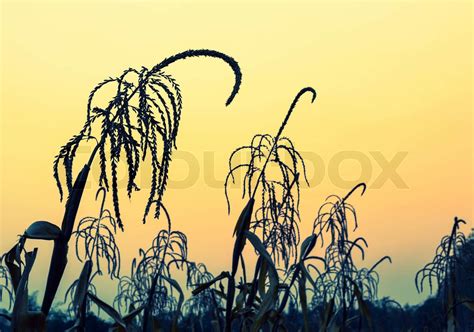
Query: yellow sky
<point x="393" y="78"/>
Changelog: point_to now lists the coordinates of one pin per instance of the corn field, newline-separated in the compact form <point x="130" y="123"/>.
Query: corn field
<point x="299" y="282"/>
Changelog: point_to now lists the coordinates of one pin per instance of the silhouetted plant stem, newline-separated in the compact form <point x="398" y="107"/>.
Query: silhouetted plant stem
<point x="290" y="178"/>
<point x="59" y="256"/>
<point x="280" y="131"/>
<point x="97" y="227"/>
<point x="254" y="288"/>
<point x="147" y="316"/>
<point x="243" y="223"/>
<point x="443" y="269"/>
<point x="229" y="303"/>
<point x="450" y="287"/>
<point x="60" y="249"/>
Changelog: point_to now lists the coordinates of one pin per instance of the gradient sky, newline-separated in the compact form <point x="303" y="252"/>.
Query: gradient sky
<point x="394" y="78"/>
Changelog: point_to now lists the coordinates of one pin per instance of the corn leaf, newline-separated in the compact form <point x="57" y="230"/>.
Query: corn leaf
<point x="22" y="319"/>
<point x="363" y="308"/>
<point x="307" y="246"/>
<point x="176" y="286"/>
<point x="82" y="286"/>
<point x="12" y="261"/>
<point x="42" y="230"/>
<point x="303" y="300"/>
<point x="204" y="286"/>
<point x="244" y="217"/>
<point x="269" y="300"/>
<point x="59" y="257"/>
<point x="109" y="310"/>
<point x="243" y="224"/>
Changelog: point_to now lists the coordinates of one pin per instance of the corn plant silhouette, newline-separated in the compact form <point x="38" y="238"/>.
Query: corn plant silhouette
<point x="95" y="242"/>
<point x="138" y="125"/>
<point x="342" y="283"/>
<point x="278" y="212"/>
<point x="134" y="128"/>
<point x="136" y="117"/>
<point x="150" y="284"/>
<point x="18" y="264"/>
<point x="297" y="276"/>
<point x="249" y="309"/>
<point x="266" y="150"/>
<point x="11" y="269"/>
<point x="443" y="271"/>
<point x="204" y="304"/>
<point x="22" y="318"/>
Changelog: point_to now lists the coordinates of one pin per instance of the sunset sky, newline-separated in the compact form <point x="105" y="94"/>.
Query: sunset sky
<point x="394" y="80"/>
